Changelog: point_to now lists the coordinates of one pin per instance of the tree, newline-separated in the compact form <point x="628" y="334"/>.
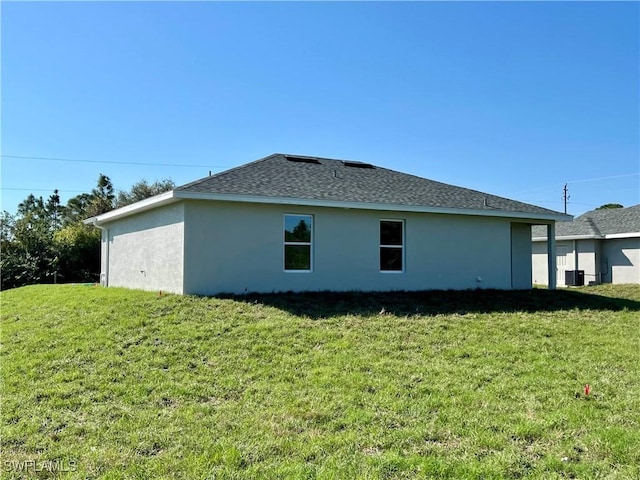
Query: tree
<point x="54" y="211"/>
<point x="78" y="246"/>
<point x="46" y="241"/>
<point x="28" y="254"/>
<point x="102" y="197"/>
<point x="9" y="260"/>
<point x="607" y="206"/>
<point x="87" y="205"/>
<point x="141" y="190"/>
<point x="7" y="223"/>
<point x="77" y="208"/>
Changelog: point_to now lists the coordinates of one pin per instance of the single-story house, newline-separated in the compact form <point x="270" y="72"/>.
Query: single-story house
<point x="600" y="246"/>
<point x="300" y="223"/>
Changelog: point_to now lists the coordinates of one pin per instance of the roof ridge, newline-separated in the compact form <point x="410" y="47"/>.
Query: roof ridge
<point x="594" y="227"/>
<point x="338" y="160"/>
<point x="225" y="172"/>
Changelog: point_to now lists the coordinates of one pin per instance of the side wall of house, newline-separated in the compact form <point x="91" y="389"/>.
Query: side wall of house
<point x="521" y="256"/>
<point x="621" y="260"/>
<point x="570" y="255"/>
<point x="566" y="259"/>
<point x="145" y="251"/>
<point x="236" y="248"/>
<point x="104" y="256"/>
<point x="588" y="253"/>
<point x="539" y="268"/>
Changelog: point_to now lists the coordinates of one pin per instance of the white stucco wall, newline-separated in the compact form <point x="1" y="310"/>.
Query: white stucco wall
<point x="145" y="251"/>
<point x="104" y="255"/>
<point x="603" y="261"/>
<point x="621" y="260"/>
<point x="588" y="253"/>
<point x="521" y="256"/>
<point x="236" y="248"/>
<point x="565" y="260"/>
<point x="539" y="263"/>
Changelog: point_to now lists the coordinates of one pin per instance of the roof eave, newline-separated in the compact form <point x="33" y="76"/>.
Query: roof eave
<point x="138" y="207"/>
<point x="622" y="235"/>
<point x="569" y="237"/>
<point x="610" y="236"/>
<point x="547" y="217"/>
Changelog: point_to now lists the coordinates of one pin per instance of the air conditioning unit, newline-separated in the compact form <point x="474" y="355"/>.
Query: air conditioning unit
<point x="574" y="278"/>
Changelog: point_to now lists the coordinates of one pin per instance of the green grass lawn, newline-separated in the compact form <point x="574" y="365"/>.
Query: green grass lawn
<point x="112" y="383"/>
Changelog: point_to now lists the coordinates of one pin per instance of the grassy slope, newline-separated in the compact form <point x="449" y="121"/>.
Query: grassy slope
<point x="129" y="384"/>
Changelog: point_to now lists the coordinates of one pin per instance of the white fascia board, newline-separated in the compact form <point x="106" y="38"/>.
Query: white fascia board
<point x="610" y="236"/>
<point x="569" y="237"/>
<point x="622" y="235"/>
<point x="141" y="206"/>
<point x="369" y="206"/>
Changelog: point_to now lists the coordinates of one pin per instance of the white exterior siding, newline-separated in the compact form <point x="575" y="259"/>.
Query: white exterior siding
<point x="145" y="251"/>
<point x="238" y="247"/>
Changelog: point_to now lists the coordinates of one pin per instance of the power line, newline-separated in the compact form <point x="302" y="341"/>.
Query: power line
<point x="604" y="178"/>
<point x="41" y="190"/>
<point x="556" y="185"/>
<point x="77" y="160"/>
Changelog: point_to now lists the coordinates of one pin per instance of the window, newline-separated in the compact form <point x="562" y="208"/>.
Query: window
<point x="298" y="232"/>
<point x="391" y="245"/>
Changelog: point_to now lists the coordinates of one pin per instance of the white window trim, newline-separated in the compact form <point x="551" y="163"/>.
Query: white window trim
<point x="402" y="247"/>
<point x="310" y="243"/>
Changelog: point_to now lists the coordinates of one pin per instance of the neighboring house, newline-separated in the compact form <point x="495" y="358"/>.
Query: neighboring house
<point x="603" y="244"/>
<point x="292" y="223"/>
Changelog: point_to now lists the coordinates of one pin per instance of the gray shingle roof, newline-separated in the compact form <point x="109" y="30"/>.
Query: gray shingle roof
<point x="597" y="223"/>
<point x="314" y="178"/>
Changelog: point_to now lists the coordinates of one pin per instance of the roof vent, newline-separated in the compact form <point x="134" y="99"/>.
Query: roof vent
<point x="302" y="159"/>
<point x="348" y="163"/>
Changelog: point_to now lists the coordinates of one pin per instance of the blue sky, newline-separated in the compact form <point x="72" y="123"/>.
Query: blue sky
<point x="510" y="98"/>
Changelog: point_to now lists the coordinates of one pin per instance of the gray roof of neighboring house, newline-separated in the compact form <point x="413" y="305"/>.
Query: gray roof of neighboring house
<point x="323" y="179"/>
<point x="597" y="223"/>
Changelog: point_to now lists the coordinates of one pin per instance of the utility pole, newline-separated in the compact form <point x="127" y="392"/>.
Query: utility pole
<point x="565" y="196"/>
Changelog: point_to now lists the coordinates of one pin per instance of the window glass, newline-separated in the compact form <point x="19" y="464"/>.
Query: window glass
<point x="390" y="259"/>
<point x="298" y="234"/>
<point x="297" y="228"/>
<point x="391" y="245"/>
<point x="297" y="257"/>
<point x="390" y="232"/>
